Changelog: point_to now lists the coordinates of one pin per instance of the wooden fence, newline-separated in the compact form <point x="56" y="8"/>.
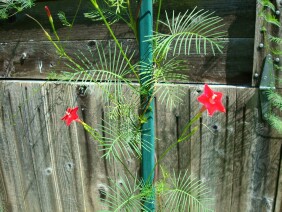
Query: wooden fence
<point x="47" y="166"/>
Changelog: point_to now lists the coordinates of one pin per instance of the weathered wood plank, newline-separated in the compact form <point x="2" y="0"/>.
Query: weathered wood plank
<point x="166" y="135"/>
<point x="97" y="170"/>
<point x="65" y="153"/>
<point x="211" y="148"/>
<point x="233" y="153"/>
<point x="17" y="153"/>
<point x="259" y="53"/>
<point x="196" y="138"/>
<point x="232" y="67"/>
<point x="224" y="151"/>
<point x="241" y="187"/>
<point x="32" y="103"/>
<point x="183" y="117"/>
<point x="239" y="19"/>
<point x="216" y="166"/>
<point x="278" y="197"/>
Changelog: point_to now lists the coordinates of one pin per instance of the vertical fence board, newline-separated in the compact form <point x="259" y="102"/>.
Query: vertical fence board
<point x="184" y="148"/>
<point x="166" y="135"/>
<point x="35" y="127"/>
<point x="19" y="147"/>
<point x="48" y="166"/>
<point x="242" y="147"/>
<point x="278" y="197"/>
<point x="95" y="168"/>
<point x="224" y="151"/>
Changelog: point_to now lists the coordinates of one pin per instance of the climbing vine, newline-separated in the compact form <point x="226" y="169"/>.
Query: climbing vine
<point x="269" y="15"/>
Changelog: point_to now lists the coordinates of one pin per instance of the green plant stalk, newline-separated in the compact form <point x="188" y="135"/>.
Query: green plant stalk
<point x="181" y="138"/>
<point x="132" y="21"/>
<point x="76" y="12"/>
<point x="115" y="39"/>
<point x="64" y="54"/>
<point x="92" y="132"/>
<point x="158" y="15"/>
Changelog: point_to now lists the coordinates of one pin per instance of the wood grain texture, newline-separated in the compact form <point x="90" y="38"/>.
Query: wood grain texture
<point x="166" y="135"/>
<point x="24" y="39"/>
<point x="259" y="53"/>
<point x="48" y="166"/>
<point x="238" y="16"/>
<point x="277" y="32"/>
<point x="278" y="197"/>
<point x="232" y="67"/>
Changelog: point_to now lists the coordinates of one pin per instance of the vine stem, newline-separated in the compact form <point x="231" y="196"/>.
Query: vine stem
<point x="94" y="2"/>
<point x="181" y="138"/>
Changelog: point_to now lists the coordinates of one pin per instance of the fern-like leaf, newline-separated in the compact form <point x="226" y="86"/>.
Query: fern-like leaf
<point x="275" y="122"/>
<point x="122" y="139"/>
<point x="8" y="7"/>
<point x="271" y="19"/>
<point x="119" y="5"/>
<point x="162" y="81"/>
<point x="198" y="28"/>
<point x="125" y="195"/>
<point x="275" y="99"/>
<point x="110" y="16"/>
<point x="183" y="193"/>
<point x="276" y="51"/>
<point x="170" y="94"/>
<point x="268" y="4"/>
<point x="62" y="17"/>
<point x="113" y="11"/>
<point x="105" y="64"/>
<point x="275" y="39"/>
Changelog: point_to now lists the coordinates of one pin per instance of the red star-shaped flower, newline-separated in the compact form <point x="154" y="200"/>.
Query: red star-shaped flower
<point x="71" y="116"/>
<point x="211" y="100"/>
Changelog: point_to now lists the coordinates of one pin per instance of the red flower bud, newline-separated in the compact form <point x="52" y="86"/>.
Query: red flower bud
<point x="48" y="11"/>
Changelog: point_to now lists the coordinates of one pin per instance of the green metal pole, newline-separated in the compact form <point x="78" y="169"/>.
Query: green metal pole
<point x="148" y="128"/>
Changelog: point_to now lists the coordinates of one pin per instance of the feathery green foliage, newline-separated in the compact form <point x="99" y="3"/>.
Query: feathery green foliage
<point x="111" y="66"/>
<point x="125" y="195"/>
<point x="274" y="97"/>
<point x="275" y="122"/>
<point x="62" y="17"/>
<point x="10" y="7"/>
<point x="197" y="28"/>
<point x="185" y="193"/>
<point x="270" y="18"/>
<point x="110" y="15"/>
<point x="267" y="3"/>
<point x="122" y="139"/>
<point x="161" y="82"/>
<point x="176" y="192"/>
<point x="103" y="64"/>
<point x="274" y="39"/>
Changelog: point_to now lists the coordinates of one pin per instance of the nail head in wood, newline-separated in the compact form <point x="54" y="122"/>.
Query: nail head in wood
<point x="261" y="45"/>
